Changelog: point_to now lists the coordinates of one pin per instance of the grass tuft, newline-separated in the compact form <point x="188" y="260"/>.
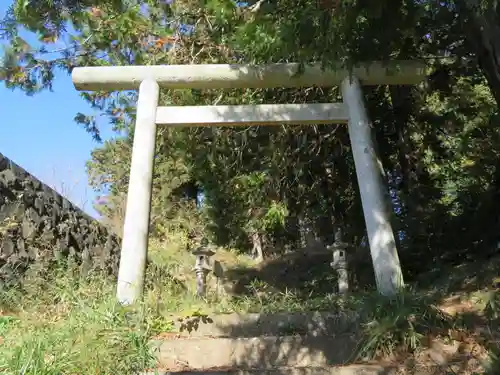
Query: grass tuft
<point x="402" y="323"/>
<point x="63" y="326"/>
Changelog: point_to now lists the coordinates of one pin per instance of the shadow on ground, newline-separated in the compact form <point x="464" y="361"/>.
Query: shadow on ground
<point x="301" y="272"/>
<point x="473" y="338"/>
<point x="465" y="278"/>
<point x="306" y="275"/>
<point x="471" y="335"/>
<point x="457" y="341"/>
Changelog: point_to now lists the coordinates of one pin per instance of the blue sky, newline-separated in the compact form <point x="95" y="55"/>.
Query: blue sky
<point x="40" y="135"/>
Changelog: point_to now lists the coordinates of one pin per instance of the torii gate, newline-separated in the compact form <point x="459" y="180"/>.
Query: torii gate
<point x="149" y="79"/>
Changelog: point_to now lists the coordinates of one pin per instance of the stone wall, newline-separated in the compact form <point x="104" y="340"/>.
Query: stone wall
<point x="39" y="226"/>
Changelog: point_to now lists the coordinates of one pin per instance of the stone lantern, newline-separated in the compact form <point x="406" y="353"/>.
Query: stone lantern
<point x="202" y="267"/>
<point x="339" y="262"/>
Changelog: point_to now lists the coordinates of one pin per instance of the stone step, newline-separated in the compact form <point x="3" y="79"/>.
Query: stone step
<point x="298" y="355"/>
<point x="358" y="369"/>
<point x="278" y="324"/>
<point x="337" y="370"/>
<point x="257" y="352"/>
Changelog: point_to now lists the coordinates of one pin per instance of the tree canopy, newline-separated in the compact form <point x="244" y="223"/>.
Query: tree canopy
<point x="438" y="141"/>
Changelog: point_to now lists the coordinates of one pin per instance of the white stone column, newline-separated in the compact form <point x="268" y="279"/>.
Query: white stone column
<point x="136" y="226"/>
<point x="374" y="194"/>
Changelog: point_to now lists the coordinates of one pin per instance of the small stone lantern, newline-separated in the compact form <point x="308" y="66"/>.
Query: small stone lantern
<point x="340" y="261"/>
<point x="202" y="267"/>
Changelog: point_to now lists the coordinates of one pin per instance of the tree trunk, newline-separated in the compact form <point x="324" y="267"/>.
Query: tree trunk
<point x="306" y="230"/>
<point x="302" y="228"/>
<point x="257" y="252"/>
<point x="482" y="30"/>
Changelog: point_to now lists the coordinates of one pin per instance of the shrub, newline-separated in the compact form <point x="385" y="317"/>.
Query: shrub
<point x="399" y="324"/>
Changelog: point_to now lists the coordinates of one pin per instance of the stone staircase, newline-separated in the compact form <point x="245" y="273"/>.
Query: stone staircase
<point x="292" y="344"/>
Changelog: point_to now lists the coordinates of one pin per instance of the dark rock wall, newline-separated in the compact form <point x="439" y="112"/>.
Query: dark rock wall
<point x="39" y="226"/>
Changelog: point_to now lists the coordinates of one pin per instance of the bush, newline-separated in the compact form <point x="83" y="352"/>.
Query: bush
<point x="399" y="324"/>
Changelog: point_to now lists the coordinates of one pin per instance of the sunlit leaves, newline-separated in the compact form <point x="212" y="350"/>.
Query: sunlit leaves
<point x="438" y="145"/>
<point x="90" y="125"/>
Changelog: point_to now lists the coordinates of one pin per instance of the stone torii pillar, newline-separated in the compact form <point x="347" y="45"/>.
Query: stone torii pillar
<point x="136" y="227"/>
<point x="373" y="191"/>
<point x="148" y="79"/>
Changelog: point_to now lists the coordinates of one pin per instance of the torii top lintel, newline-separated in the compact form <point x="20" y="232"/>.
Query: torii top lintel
<point x="226" y="76"/>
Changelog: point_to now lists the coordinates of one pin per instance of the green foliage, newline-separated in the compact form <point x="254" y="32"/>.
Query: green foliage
<point x="60" y="323"/>
<point x="67" y="324"/>
<point x="6" y="322"/>
<point x="275" y="216"/>
<point x="493" y="366"/>
<point x="437" y="141"/>
<point x="403" y="323"/>
<point x="492" y="308"/>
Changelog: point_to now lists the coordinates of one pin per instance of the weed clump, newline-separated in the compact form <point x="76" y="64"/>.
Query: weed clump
<point x="65" y="326"/>
<point x="402" y="323"/>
